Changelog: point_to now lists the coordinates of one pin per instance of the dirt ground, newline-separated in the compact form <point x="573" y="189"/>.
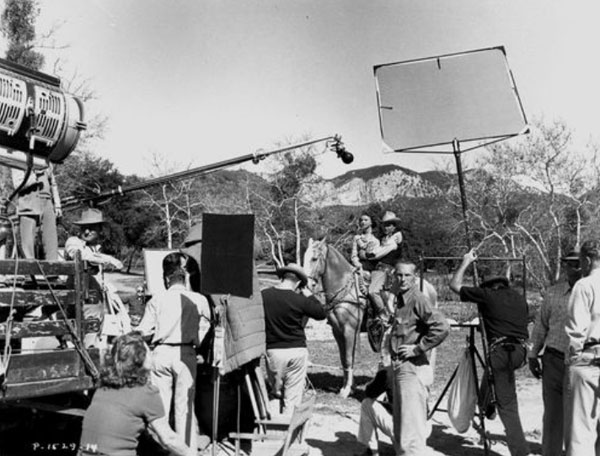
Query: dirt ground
<point x="335" y="421"/>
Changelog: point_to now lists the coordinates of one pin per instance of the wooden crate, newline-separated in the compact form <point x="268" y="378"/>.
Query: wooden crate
<point x="53" y="370"/>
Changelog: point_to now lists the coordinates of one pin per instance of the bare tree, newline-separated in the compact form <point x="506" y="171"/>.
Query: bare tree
<point x="282" y="214"/>
<point x="531" y="196"/>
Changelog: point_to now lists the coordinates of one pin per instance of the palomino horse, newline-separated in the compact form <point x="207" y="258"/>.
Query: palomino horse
<point x="345" y="305"/>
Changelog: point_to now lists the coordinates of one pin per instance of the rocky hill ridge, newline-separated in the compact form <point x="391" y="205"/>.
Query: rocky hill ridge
<point x="369" y="185"/>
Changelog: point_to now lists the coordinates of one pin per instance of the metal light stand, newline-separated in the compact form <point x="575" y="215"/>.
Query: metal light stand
<point x="486" y="356"/>
<point x="474" y="356"/>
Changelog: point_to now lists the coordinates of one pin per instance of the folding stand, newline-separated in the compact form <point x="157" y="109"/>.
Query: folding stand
<point x="475" y="357"/>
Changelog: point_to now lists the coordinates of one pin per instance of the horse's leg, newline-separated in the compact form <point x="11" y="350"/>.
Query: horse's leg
<point x="337" y="328"/>
<point x="347" y="318"/>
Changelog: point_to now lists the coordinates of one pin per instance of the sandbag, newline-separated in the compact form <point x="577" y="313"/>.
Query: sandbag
<point x="462" y="395"/>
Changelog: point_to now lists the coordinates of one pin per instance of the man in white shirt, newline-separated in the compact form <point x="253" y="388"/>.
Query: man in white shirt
<point x="583" y="330"/>
<point x="177" y="321"/>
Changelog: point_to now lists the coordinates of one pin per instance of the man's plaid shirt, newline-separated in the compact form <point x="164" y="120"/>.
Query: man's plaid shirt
<point x="549" y="328"/>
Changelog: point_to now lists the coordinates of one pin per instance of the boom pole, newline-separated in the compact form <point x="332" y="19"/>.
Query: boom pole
<point x="334" y="142"/>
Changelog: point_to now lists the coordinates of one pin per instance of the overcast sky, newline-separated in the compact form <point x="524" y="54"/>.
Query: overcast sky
<point x="201" y="81"/>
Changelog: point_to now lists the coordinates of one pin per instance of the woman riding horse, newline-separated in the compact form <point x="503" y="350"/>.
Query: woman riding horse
<point x="363" y="244"/>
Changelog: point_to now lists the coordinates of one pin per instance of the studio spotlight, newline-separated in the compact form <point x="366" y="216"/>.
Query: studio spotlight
<point x="36" y="115"/>
<point x="338" y="147"/>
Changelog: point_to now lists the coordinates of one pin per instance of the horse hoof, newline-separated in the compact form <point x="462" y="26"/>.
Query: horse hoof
<point x="345" y="392"/>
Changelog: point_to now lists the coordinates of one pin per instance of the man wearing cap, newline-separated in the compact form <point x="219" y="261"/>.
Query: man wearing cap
<point x="504" y="313"/>
<point x="287" y="307"/>
<point x="386" y="254"/>
<point x="549" y="334"/>
<point x="583" y="331"/>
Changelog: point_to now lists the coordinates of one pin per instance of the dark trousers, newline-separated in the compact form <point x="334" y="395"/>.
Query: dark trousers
<point x="504" y="360"/>
<point x="553" y="386"/>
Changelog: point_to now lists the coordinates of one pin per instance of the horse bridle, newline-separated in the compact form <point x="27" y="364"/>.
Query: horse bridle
<point x="345" y="289"/>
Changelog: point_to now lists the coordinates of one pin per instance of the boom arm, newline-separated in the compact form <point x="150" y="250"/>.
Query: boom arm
<point x="333" y="142"/>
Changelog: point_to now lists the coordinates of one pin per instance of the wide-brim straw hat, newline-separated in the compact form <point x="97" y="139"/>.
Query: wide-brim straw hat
<point x="90" y="217"/>
<point x="294" y="269"/>
<point x="390" y="217"/>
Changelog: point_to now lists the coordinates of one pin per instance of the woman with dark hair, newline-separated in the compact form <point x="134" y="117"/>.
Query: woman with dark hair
<point x="126" y="404"/>
<point x="364" y="243"/>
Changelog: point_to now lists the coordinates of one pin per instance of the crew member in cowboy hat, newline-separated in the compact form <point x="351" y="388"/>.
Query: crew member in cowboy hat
<point x="287" y="306"/>
<point x="86" y="243"/>
<point x="90" y="224"/>
<point x="504" y="314"/>
<point x="387" y="254"/>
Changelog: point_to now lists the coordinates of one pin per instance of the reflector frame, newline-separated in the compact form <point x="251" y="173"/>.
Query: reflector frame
<point x="469" y="97"/>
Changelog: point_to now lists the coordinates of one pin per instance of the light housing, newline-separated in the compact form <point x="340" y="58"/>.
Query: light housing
<point x="36" y="115"/>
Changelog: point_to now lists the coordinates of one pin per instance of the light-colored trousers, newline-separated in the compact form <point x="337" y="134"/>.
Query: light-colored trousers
<point x="174" y="374"/>
<point x="28" y="225"/>
<point x="374" y="418"/>
<point x="410" y="393"/>
<point x="584" y="425"/>
<point x="286" y="372"/>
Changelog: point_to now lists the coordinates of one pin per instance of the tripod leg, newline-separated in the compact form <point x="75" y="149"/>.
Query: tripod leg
<point x="473" y="353"/>
<point x="444" y="391"/>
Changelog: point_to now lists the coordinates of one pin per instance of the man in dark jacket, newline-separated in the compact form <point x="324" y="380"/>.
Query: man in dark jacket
<point x="504" y="314"/>
<point x="288" y="306"/>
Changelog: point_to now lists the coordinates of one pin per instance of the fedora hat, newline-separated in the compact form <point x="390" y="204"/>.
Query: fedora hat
<point x="573" y="254"/>
<point x="390" y="217"/>
<point x="294" y="269"/>
<point x="194" y="235"/>
<point x="90" y="217"/>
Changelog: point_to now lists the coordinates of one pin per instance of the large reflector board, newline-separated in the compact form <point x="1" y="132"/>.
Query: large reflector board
<point x="469" y="96"/>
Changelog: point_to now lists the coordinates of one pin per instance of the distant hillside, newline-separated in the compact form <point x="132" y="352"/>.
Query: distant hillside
<point x="440" y="179"/>
<point x="369" y="185"/>
<point x="361" y="187"/>
<point x="369" y="173"/>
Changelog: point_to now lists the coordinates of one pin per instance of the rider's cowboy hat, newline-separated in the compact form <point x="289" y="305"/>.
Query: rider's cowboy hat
<point x="390" y="217"/>
<point x="294" y="269"/>
<point x="90" y="217"/>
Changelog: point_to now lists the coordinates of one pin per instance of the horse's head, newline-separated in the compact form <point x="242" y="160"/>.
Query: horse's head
<point x="314" y="258"/>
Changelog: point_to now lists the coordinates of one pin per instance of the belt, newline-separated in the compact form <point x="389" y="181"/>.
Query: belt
<point x="554" y="352"/>
<point x="501" y="341"/>
<point x="168" y="344"/>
